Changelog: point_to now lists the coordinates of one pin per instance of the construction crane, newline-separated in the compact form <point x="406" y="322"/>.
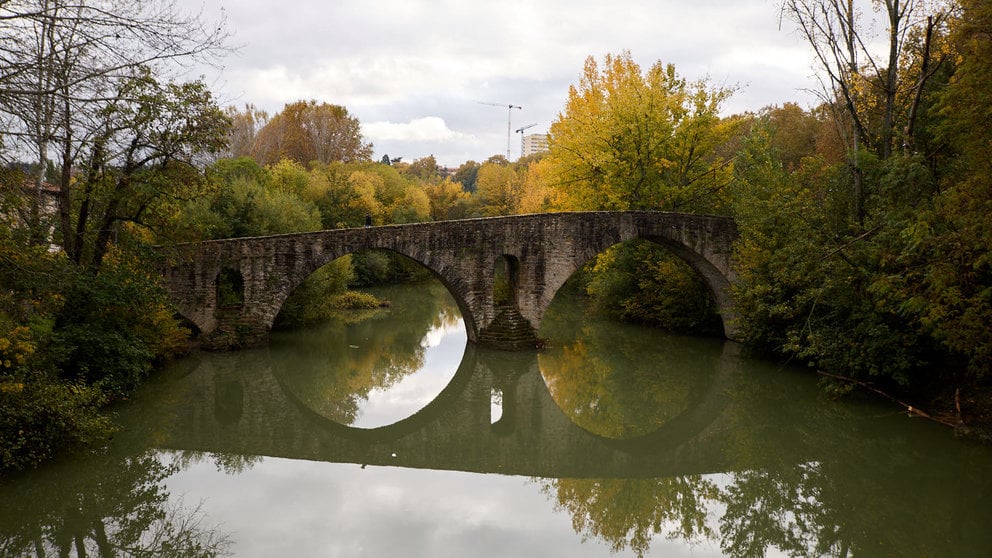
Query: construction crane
<point x="509" y="109"/>
<point x="521" y="132"/>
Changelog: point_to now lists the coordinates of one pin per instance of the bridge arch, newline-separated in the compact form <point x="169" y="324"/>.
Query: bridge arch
<point x="452" y="283"/>
<point x="716" y="281"/>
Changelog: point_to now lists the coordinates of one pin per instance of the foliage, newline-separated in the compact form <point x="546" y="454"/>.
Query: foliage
<point x="630" y="512"/>
<point x="537" y="194"/>
<point x="379" y="267"/>
<point x="448" y="200"/>
<point x="87" y="85"/>
<point x="499" y="189"/>
<point x="356" y="300"/>
<point x="108" y="505"/>
<point x="113" y="326"/>
<point x="40" y="418"/>
<point x="811" y="284"/>
<point x="318" y="296"/>
<point x="140" y="165"/>
<point x="69" y="339"/>
<point x="466" y="175"/>
<point x="955" y="301"/>
<point x="888" y="281"/>
<point x="641" y="282"/>
<point x="633" y="140"/>
<point x="250" y="201"/>
<point x="308" y="131"/>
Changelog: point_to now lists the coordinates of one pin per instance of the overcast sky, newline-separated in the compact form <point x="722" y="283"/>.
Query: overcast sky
<point x="416" y="73"/>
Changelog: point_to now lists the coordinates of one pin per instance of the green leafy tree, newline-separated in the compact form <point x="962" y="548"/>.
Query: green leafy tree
<point x="466" y="175"/>
<point x="641" y="282"/>
<point x="141" y="164"/>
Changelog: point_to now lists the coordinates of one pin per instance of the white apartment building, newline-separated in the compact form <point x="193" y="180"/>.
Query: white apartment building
<point x="533" y="143"/>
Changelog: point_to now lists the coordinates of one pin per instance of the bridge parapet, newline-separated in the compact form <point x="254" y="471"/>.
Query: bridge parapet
<point x="542" y="250"/>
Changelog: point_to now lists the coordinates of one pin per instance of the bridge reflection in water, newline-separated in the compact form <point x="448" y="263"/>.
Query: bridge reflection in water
<point x="228" y="410"/>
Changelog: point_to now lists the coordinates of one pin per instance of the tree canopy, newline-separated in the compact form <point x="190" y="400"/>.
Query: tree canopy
<point x="307" y="131"/>
<point x="629" y="139"/>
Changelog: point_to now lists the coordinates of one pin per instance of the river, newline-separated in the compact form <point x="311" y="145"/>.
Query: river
<point x="383" y="433"/>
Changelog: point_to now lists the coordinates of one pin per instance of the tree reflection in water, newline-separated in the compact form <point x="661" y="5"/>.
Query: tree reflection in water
<point x="629" y="513"/>
<point x="362" y="351"/>
<point x="105" y="507"/>
<point x="803" y="477"/>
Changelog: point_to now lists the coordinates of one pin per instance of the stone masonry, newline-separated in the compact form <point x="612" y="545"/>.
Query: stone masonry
<point x="544" y="251"/>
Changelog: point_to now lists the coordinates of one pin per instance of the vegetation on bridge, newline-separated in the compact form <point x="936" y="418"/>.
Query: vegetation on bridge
<point x="864" y="246"/>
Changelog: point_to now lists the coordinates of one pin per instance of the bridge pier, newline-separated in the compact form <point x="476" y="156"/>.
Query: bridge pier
<point x="538" y="252"/>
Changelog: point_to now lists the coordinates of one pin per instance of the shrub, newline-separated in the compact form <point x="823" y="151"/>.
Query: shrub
<point x="40" y="419"/>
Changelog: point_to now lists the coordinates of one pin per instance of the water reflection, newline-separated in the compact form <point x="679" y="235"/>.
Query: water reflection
<point x="376" y="367"/>
<point x="601" y="375"/>
<point x="108" y="506"/>
<point x="638" y="442"/>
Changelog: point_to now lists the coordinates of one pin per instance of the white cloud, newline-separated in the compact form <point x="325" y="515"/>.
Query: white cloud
<point x="426" y="129"/>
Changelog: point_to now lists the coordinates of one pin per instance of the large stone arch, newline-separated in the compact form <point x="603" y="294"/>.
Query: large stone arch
<point x="718" y="284"/>
<point x="453" y="283"/>
<point x="703" y="242"/>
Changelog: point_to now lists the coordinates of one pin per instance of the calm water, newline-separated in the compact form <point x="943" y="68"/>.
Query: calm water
<point x="383" y="434"/>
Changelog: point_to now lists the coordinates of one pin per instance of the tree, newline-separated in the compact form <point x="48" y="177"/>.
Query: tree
<point x="633" y="140"/>
<point x="446" y="198"/>
<point x="424" y="169"/>
<point x="244" y="129"/>
<point x="142" y="158"/>
<point x="499" y="189"/>
<point x="537" y="196"/>
<point x="872" y="89"/>
<point x="63" y="59"/>
<point x="306" y="131"/>
<point x="947" y="284"/>
<point x="466" y="174"/>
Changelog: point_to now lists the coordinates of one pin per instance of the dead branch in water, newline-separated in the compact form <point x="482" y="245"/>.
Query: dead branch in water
<point x="913" y="411"/>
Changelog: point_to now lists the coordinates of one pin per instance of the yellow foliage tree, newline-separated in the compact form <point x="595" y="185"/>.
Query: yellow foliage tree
<point x="639" y="140"/>
<point x="499" y="189"/>
<point x="444" y="196"/>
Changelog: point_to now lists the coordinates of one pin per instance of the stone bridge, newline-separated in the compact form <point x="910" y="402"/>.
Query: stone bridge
<point x="538" y="252"/>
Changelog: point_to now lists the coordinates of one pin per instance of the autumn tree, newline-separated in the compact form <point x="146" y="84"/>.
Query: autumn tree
<point x="499" y="188"/>
<point x="424" y="169"/>
<point x="447" y="199"/>
<point x="307" y="131"/>
<point x="536" y="193"/>
<point x="629" y="139"/>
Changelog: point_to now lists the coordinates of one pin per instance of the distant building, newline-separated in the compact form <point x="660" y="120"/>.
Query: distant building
<point x="17" y="209"/>
<point x="533" y="143"/>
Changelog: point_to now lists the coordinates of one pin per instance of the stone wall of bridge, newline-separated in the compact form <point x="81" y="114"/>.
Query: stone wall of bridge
<point x="545" y="250"/>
